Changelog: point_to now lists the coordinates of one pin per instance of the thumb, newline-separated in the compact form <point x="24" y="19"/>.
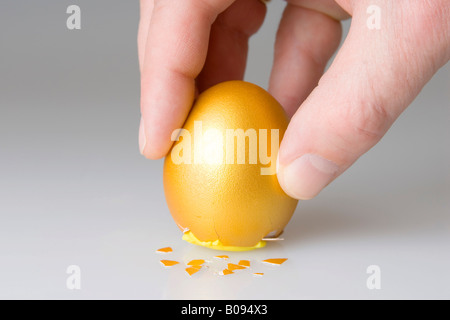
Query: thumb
<point x="375" y="76"/>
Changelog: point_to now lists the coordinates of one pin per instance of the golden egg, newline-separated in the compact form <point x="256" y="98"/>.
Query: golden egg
<point x="220" y="176"/>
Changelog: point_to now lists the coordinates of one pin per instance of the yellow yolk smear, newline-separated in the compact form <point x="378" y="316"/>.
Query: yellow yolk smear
<point x="216" y="244"/>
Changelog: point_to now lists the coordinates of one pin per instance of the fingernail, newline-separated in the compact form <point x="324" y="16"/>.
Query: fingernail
<point x="306" y="176"/>
<point x="142" y="138"/>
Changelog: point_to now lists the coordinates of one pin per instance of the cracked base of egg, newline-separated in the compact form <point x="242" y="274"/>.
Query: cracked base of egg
<point x="217" y="245"/>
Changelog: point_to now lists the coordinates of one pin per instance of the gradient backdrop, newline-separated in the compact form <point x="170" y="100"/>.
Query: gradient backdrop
<point x="74" y="189"/>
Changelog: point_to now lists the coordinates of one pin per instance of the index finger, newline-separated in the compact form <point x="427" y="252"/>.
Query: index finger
<point x="174" y="55"/>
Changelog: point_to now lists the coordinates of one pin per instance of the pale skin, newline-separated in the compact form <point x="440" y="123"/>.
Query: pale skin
<point x="186" y="46"/>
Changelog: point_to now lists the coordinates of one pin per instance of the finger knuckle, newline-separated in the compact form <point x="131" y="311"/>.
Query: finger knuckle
<point x="369" y="119"/>
<point x="364" y="122"/>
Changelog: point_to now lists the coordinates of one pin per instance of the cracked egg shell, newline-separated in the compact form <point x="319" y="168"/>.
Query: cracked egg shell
<point x="226" y="205"/>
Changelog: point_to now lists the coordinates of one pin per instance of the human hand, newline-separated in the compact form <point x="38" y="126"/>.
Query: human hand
<point x="375" y="76"/>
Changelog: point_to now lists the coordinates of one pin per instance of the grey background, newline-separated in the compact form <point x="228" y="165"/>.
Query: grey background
<point x="75" y="190"/>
